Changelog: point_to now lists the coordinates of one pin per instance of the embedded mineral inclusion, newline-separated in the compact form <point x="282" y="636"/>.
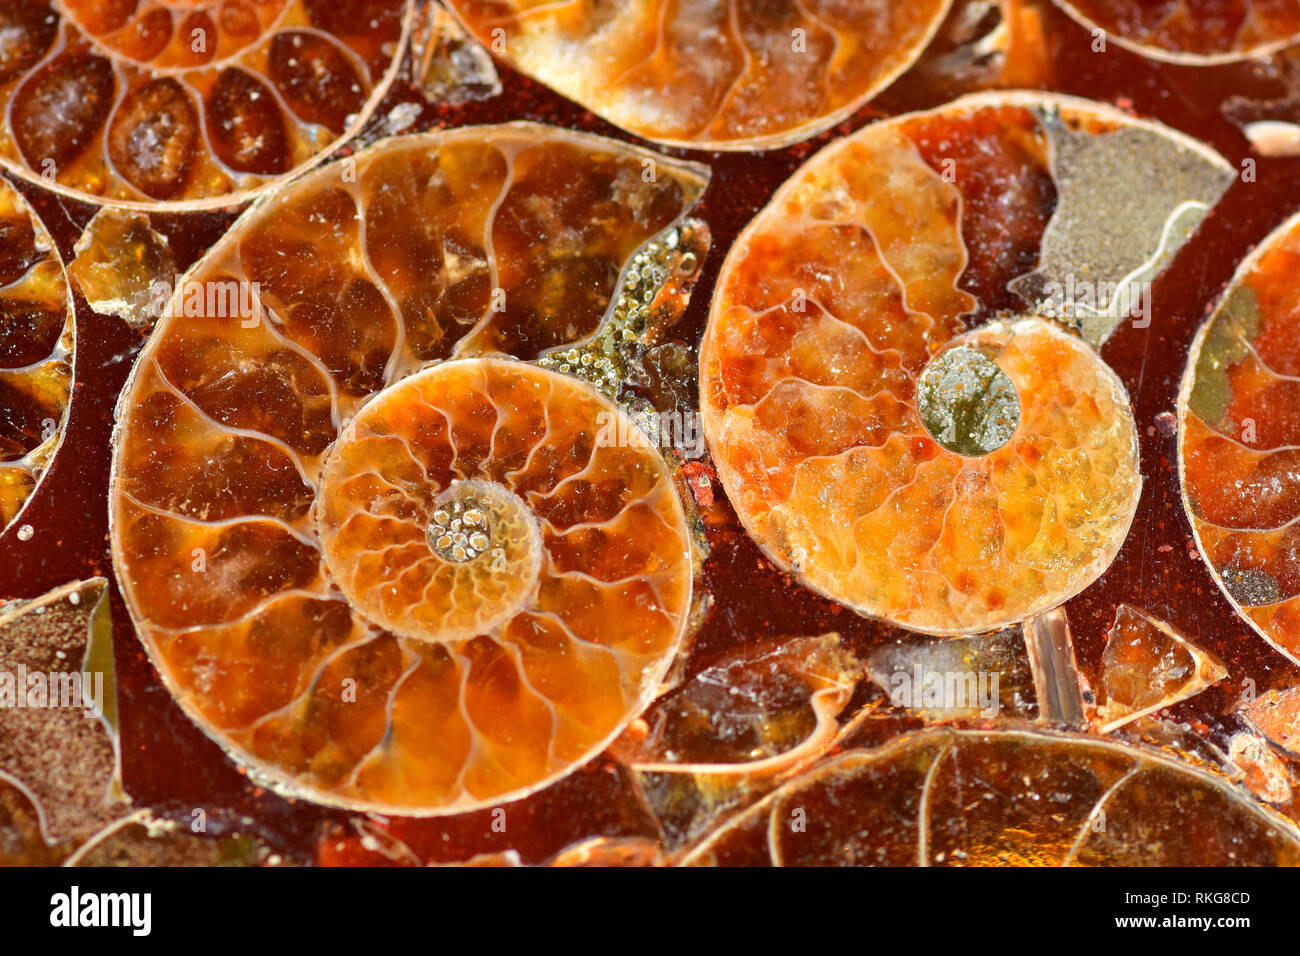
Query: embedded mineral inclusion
<point x="892" y="421"/>
<point x="381" y="569"/>
<point x="746" y="74"/>
<point x="188" y="103"/>
<point x="967" y="404"/>
<point x="1239" y="440"/>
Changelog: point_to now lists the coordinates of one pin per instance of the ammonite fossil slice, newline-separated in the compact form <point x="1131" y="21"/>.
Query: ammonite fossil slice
<point x="1239" y="440"/>
<point x="970" y="798"/>
<point x="36" y="346"/>
<point x="187" y="103"/>
<point x="1192" y="31"/>
<point x="381" y="579"/>
<point x="879" y="442"/>
<point x="737" y="75"/>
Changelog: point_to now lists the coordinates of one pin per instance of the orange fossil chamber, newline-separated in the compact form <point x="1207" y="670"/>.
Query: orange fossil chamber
<point x="187" y="102"/>
<point x="1239" y="440"/>
<point x="381" y="561"/>
<point x="738" y="75"/>
<point x="1192" y="31"/>
<point x="893" y="414"/>
<point x="36" y="346"/>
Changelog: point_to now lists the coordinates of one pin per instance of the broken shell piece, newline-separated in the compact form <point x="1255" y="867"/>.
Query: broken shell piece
<point x="450" y="66"/>
<point x="611" y="851"/>
<point x="961" y="678"/>
<point x="58" y="707"/>
<point x="1273" y="137"/>
<point x="947" y="479"/>
<point x="200" y="103"/>
<point x="147" y="839"/>
<point x="975" y="798"/>
<point x="1192" y="32"/>
<point x="744" y="75"/>
<point x="1276" y="715"/>
<point x="37" y="342"/>
<point x="1148" y="666"/>
<point x="22" y="829"/>
<point x="1239" y="440"/>
<point x="757" y="710"/>
<point x="124" y="267"/>
<point x="1265" y="773"/>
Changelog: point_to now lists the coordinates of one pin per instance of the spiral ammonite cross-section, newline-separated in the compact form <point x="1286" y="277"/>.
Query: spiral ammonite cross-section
<point x="740" y="74"/>
<point x="187" y="103"/>
<point x="1239" y="440"/>
<point x="1193" y="31"/>
<point x="946" y="478"/>
<point x="36" y="346"/>
<point x="378" y="566"/>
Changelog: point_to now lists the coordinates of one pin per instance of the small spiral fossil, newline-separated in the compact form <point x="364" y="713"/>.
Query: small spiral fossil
<point x="382" y="564"/>
<point x="737" y="75"/>
<point x="36" y="349"/>
<point x="187" y="103"/>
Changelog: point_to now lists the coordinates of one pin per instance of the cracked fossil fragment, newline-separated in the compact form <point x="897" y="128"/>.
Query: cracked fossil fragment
<point x="1007" y="797"/>
<point x="188" y="103"/>
<point x="892" y="420"/>
<point x="708" y="75"/>
<point x="1239" y="440"/>
<point x="1148" y="666"/>
<point x="383" y="565"/>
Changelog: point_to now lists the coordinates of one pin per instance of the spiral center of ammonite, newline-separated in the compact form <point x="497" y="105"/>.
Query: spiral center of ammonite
<point x="418" y="550"/>
<point x="460" y="531"/>
<point x="967" y="403"/>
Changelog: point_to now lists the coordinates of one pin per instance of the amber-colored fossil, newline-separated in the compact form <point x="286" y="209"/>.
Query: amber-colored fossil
<point x="1192" y="31"/>
<point x="878" y="441"/>
<point x="1239" y="440"/>
<point x="187" y="103"/>
<point x="737" y="75"/>
<point x="36" y="347"/>
<point x="1007" y="797"/>
<point x="382" y="579"/>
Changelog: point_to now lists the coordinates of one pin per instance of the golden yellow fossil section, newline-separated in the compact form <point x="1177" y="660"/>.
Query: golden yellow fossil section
<point x="383" y="564"/>
<point x="945" y="478"/>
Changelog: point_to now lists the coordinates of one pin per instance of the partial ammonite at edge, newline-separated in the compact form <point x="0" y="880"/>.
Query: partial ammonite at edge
<point x="188" y="103"/>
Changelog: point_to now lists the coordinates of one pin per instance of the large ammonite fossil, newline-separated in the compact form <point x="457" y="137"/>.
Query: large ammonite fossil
<point x="1192" y="31"/>
<point x="737" y="75"/>
<point x="893" y="414"/>
<point x="381" y="567"/>
<point x="1239" y="440"/>
<point x="1010" y="797"/>
<point x="187" y="102"/>
<point x="36" y="346"/>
